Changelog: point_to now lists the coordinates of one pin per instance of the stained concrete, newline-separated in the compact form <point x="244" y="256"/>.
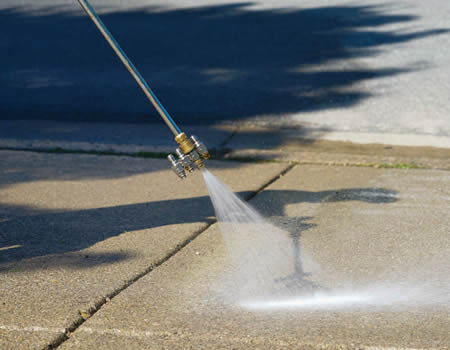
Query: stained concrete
<point x="361" y="231"/>
<point x="76" y="228"/>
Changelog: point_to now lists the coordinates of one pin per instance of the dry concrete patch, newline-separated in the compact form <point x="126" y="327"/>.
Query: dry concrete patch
<point x="17" y="337"/>
<point x="377" y="233"/>
<point x="76" y="228"/>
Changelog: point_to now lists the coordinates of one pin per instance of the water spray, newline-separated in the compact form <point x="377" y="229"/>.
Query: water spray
<point x="191" y="152"/>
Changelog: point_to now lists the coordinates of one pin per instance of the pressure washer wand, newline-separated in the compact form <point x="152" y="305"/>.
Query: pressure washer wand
<point x="191" y="151"/>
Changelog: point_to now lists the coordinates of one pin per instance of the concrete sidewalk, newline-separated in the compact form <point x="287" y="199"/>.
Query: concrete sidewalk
<point x="231" y="141"/>
<point x="116" y="252"/>
<point x="76" y="229"/>
<point x="101" y="246"/>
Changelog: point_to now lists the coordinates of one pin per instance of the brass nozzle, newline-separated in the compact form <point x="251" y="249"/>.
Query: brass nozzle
<point x="185" y="143"/>
<point x="191" y="153"/>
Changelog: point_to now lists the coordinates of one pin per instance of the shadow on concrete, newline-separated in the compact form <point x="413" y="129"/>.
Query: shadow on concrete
<point x="298" y="281"/>
<point x="207" y="64"/>
<point x="42" y="233"/>
<point x="28" y="167"/>
<point x="17" y="167"/>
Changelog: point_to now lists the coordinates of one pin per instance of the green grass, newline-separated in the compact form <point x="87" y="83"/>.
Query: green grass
<point x="395" y="166"/>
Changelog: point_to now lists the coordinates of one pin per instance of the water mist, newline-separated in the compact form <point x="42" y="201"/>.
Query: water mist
<point x="262" y="255"/>
<point x="265" y="273"/>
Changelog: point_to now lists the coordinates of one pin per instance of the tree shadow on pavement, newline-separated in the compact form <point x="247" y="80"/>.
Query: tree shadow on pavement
<point x="44" y="233"/>
<point x="298" y="281"/>
<point x="207" y="64"/>
<point x="30" y="167"/>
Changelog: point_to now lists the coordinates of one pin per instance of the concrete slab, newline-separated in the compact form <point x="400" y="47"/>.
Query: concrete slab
<point x="117" y="137"/>
<point x="302" y="145"/>
<point x="77" y="228"/>
<point x="13" y="337"/>
<point x="362" y="232"/>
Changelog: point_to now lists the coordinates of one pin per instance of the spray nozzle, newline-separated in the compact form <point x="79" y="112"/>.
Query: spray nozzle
<point x="191" y="153"/>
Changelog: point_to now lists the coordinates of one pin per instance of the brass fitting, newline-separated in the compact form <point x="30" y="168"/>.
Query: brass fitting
<point x="186" y="144"/>
<point x="199" y="163"/>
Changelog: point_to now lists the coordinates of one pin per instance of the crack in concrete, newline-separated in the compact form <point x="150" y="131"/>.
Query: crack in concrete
<point x="85" y="315"/>
<point x="229" y="137"/>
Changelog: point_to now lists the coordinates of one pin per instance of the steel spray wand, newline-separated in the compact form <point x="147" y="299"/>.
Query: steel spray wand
<point x="190" y="151"/>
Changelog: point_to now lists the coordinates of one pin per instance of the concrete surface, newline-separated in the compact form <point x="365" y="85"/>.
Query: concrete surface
<point x="226" y="141"/>
<point x="91" y="245"/>
<point x="365" y="71"/>
<point x="116" y="137"/>
<point x="293" y="144"/>
<point x="75" y="229"/>
<point x="382" y="232"/>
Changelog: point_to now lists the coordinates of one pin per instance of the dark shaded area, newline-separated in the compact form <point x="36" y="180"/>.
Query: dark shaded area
<point x="44" y="233"/>
<point x="18" y="167"/>
<point x="206" y="64"/>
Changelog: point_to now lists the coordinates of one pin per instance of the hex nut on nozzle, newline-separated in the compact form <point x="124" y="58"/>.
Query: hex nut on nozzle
<point x="176" y="166"/>
<point x="184" y="160"/>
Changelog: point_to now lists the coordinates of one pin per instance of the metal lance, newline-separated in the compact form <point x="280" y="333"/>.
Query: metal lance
<point x="191" y="152"/>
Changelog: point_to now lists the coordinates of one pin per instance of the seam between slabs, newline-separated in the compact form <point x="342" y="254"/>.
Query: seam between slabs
<point x="62" y="338"/>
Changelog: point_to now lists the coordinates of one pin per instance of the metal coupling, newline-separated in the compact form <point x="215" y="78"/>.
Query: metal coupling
<point x="191" y="153"/>
<point x="176" y="166"/>
<point x="184" y="160"/>
<point x="201" y="148"/>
